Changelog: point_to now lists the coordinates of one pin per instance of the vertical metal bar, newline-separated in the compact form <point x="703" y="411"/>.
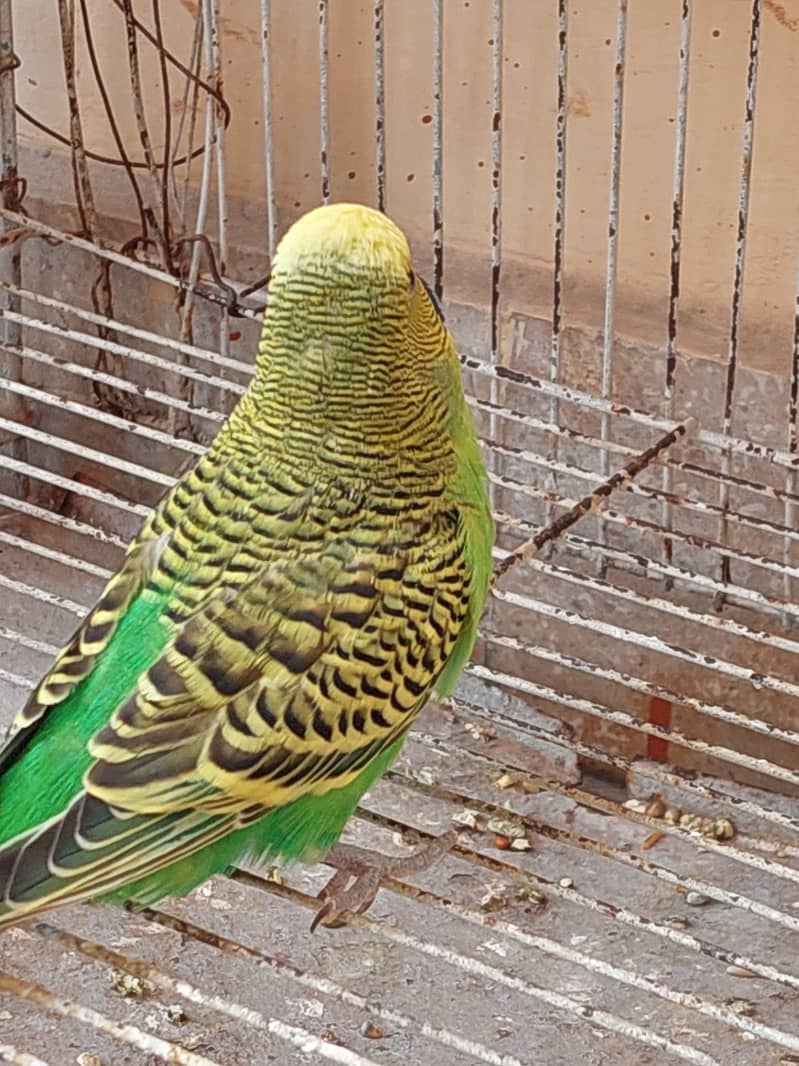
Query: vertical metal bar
<point x="738" y="281"/>
<point x="793" y="441"/>
<point x="191" y="96"/>
<point x="438" y="125"/>
<point x="613" y="233"/>
<point x="11" y="254"/>
<point x="84" y="196"/>
<point x="215" y="66"/>
<point x="269" y="167"/>
<point x="559" y="239"/>
<point x="560" y="202"/>
<point x="678" y="189"/>
<point x="380" y="105"/>
<point x="793" y="396"/>
<point x="496" y="222"/>
<point x="496" y="175"/>
<point x="202" y="203"/>
<point x="324" y="102"/>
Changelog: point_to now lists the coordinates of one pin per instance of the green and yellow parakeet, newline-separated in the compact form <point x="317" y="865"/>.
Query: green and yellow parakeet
<point x="285" y="612"/>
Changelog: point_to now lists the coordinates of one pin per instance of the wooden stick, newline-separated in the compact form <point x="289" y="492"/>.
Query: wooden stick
<point x="593" y="502"/>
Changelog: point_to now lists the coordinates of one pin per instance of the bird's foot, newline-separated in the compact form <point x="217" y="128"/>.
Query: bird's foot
<point x="359" y="874"/>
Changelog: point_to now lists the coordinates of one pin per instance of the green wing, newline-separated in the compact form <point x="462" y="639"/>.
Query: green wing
<point x="284" y="687"/>
<point x="77" y="660"/>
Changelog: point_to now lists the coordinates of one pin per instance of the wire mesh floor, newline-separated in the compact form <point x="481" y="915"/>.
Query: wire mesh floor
<point x="569" y="922"/>
<point x="592" y="943"/>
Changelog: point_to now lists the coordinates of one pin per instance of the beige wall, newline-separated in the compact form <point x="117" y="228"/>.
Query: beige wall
<point x="716" y="105"/>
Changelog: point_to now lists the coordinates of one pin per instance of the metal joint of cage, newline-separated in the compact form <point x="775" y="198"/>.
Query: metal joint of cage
<point x="232" y="297"/>
<point x="595" y="500"/>
<point x="229" y="297"/>
<point x="8" y="62"/>
<point x="12" y="192"/>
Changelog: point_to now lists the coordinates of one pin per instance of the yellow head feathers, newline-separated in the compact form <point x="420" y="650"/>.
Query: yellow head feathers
<point x="350" y="238"/>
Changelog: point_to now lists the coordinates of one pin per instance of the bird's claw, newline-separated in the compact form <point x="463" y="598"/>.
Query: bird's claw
<point x="359" y="874"/>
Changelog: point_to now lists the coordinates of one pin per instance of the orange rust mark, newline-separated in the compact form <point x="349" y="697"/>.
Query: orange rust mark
<point x="577" y="104"/>
<point x="781" y="15"/>
<point x="228" y="26"/>
<point x="652" y="839"/>
<point x="659" y="714"/>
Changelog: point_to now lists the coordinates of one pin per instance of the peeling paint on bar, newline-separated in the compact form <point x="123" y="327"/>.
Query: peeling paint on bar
<point x="269" y="162"/>
<point x="740" y="259"/>
<point x="678" y="190"/>
<point x="438" y="148"/>
<point x="380" y="104"/>
<point x="324" y="102"/>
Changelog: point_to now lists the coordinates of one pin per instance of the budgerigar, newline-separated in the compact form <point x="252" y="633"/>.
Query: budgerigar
<point x="285" y="612"/>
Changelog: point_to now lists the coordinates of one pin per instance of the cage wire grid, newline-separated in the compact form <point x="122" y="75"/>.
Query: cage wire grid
<point x="649" y="651"/>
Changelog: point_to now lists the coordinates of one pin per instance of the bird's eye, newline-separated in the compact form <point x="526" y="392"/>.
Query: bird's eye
<point x="434" y="300"/>
<point x="411" y="283"/>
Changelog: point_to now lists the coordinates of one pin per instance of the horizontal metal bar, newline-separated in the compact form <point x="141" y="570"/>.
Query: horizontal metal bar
<point x="654" y="644"/>
<point x="150" y="433"/>
<point x="31" y="643"/>
<point x="63" y="521"/>
<point x="621" y="853"/>
<point x="553" y="947"/>
<point x="603" y="757"/>
<point x="491" y="976"/>
<point x="42" y="595"/>
<point x="92" y="454"/>
<point x="492" y="408"/>
<point x="737" y="594"/>
<point x="105" y="345"/>
<point x="55" y="556"/>
<point x="635" y="488"/>
<point x="715" y="621"/>
<point x="281" y="968"/>
<point x="94" y="375"/>
<point x="774" y="492"/>
<point x="656" y="603"/>
<point x="16" y="679"/>
<point x="160" y="340"/>
<point x="126" y="1033"/>
<point x="76" y="487"/>
<point x="649" y="688"/>
<point x="613" y="516"/>
<point x="727" y="715"/>
<point x="198" y="376"/>
<point x="614" y="972"/>
<point x="587" y="400"/>
<point x="743" y="593"/>
<point x="628" y="721"/>
<point x="11" y="1055"/>
<point x="731" y="717"/>
<point x="629" y="559"/>
<point x="691" y="539"/>
<point x="26" y="223"/>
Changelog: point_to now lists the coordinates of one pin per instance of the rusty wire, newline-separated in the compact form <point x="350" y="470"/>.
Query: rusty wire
<point x="156" y="222"/>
